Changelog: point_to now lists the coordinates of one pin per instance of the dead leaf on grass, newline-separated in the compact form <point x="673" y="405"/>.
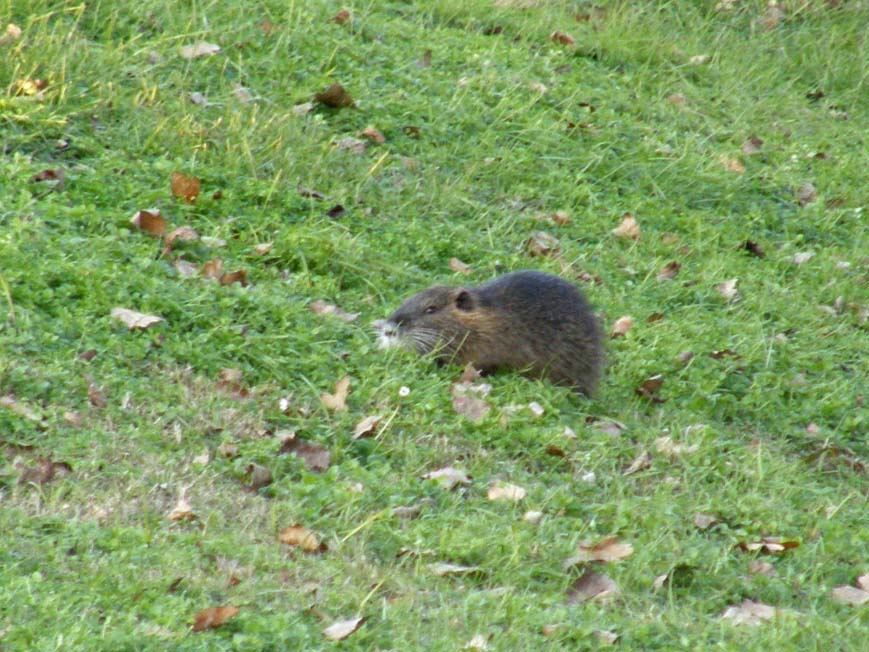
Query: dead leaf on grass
<point x="506" y="492"/>
<point x="852" y="595"/>
<point x="337" y="401"/>
<point x="301" y="537"/>
<point x="754" y="248"/>
<point x="43" y="472"/>
<point x="749" y="613"/>
<point x="629" y="228"/>
<point x="761" y="567"/>
<point x="669" y="271"/>
<point x="732" y="164"/>
<point x="562" y="38"/>
<point x="560" y="218"/>
<point x="263" y="248"/>
<point x="201" y="49"/>
<point x="472" y="408"/>
<point x="367" y="426"/>
<point x="11" y="34"/>
<point x="316" y="457"/>
<point x="373" y="134"/>
<point x="182" y="510"/>
<point x="704" y="521"/>
<point x="640" y="462"/>
<point x="185" y="268"/>
<point x="342" y="17"/>
<point x="181" y="234"/>
<point x="607" y="550"/>
<point x="458" y="266"/>
<point x="442" y="569"/>
<point x="806" y="194"/>
<point x="591" y="586"/>
<point x="542" y="243"/>
<point x="448" y="477"/>
<point x="213" y="617"/>
<point x="184" y="187"/>
<point x="320" y="307"/>
<point x="752" y="146"/>
<point x="335" y="96"/>
<point x="728" y="289"/>
<point x="649" y="388"/>
<point x="621" y="326"/>
<point x="135" y="320"/>
<point x="150" y="221"/>
<point x="343" y="628"/>
<point x="772" y="545"/>
<point x="803" y="257"/>
<point x="672" y="449"/>
<point x="258" y="476"/>
<point x="238" y="276"/>
<point x="213" y="269"/>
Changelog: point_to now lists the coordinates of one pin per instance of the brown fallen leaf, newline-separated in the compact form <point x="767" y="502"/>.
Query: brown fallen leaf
<point x="677" y="99"/>
<point x="754" y="248"/>
<point x="562" y="38"/>
<point x="621" y="326"/>
<point x="772" y="545"/>
<point x="761" y="567"/>
<point x="442" y="569"/>
<point x="320" y="307"/>
<point x="802" y="257"/>
<point x="728" y="289"/>
<point x="184" y="187"/>
<point x="806" y="194"/>
<point x="11" y="34"/>
<point x="448" y="477"/>
<point x="185" y="268"/>
<point x="704" y="521"/>
<point x="135" y="320"/>
<point x="752" y="146"/>
<point x="213" y="269"/>
<point x="640" y="462"/>
<point x="301" y="537"/>
<point x="561" y="218"/>
<point x="263" y="248"/>
<point x="352" y="145"/>
<point x="610" y="427"/>
<point x="629" y="228"/>
<point x="472" y="408"/>
<point x="670" y="448"/>
<point x="749" y="613"/>
<point x="732" y="164"/>
<point x="336" y="211"/>
<point x="458" y="266"/>
<point x="366" y="427"/>
<point x="342" y="17"/>
<point x="43" y="472"/>
<point x="258" y="476"/>
<point x="238" y="276"/>
<point x="230" y="382"/>
<point x="96" y="396"/>
<point x="607" y="550"/>
<point x="213" y="617"/>
<point x="201" y="49"/>
<point x="54" y="179"/>
<point x="669" y="271"/>
<point x="591" y="586"/>
<point x="150" y="221"/>
<point x="850" y="595"/>
<point x="649" y="388"/>
<point x="343" y="628"/>
<point x="182" y="510"/>
<point x="335" y="96"/>
<point x="542" y="243"/>
<point x="338" y="400"/>
<point x="506" y="492"/>
<point x="316" y="457"/>
<point x="373" y="134"/>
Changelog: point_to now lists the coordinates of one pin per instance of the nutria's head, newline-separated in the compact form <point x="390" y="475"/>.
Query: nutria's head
<point x="436" y="319"/>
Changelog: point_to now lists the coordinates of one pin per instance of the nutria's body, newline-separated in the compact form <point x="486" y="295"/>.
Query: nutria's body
<point x="534" y="322"/>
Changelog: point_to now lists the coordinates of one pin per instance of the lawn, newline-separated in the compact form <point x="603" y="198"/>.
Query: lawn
<point x="150" y="474"/>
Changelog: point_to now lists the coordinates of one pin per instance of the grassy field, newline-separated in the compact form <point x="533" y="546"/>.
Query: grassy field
<point x="713" y="126"/>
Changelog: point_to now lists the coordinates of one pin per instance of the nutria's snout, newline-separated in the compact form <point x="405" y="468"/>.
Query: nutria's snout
<point x="388" y="336"/>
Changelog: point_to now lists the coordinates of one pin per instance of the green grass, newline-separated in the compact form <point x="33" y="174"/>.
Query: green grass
<point x="87" y="560"/>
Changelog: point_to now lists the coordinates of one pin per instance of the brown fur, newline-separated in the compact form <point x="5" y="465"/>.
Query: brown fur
<point x="534" y="322"/>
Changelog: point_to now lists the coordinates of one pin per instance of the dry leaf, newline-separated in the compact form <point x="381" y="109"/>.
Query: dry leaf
<point x="185" y="268"/>
<point x="612" y="428"/>
<point x="754" y="248"/>
<point x="315" y="456"/>
<point x="181" y="234"/>
<point x="505" y="491"/>
<point x="201" y="49"/>
<point x="669" y="271"/>
<point x="562" y="38"/>
<point x="699" y="59"/>
<point x="473" y="409"/>
<point x="803" y="257"/>
<point x="761" y="567"/>
<point x="199" y="99"/>
<point x="320" y="307"/>
<point x="649" y="388"/>
<point x="622" y="326"/>
<point x="850" y="595"/>
<point x="732" y="164"/>
<point x="640" y="462"/>
<point x="373" y="134"/>
<point x="336" y="211"/>
<point x="343" y="628"/>
<point x="606" y="551"/>
<point x="182" y="510"/>
<point x="150" y="221"/>
<point x="11" y="34"/>
<point x="213" y="269"/>
<point x="302" y="538"/>
<point x="591" y="586"/>
<point x="335" y="96"/>
<point x="458" y="266"/>
<point x="478" y="642"/>
<point x="135" y="320"/>
<point x="228" y="449"/>
<point x="242" y="94"/>
<point x="728" y="289"/>
<point x="752" y="146"/>
<point x="238" y="276"/>
<point x="212" y="242"/>
<point x="342" y="17"/>
<point x="561" y="218"/>
<point x="775" y="13"/>
<point x="303" y="109"/>
<point x="532" y="516"/>
<point x="704" y="521"/>
<point x="542" y="244"/>
<point x="229" y="381"/>
<point x="668" y="447"/>
<point x="263" y="248"/>
<point x="629" y="228"/>
<point x="749" y="613"/>
<point x="676" y="98"/>
<point x="213" y="617"/>
<point x="184" y="187"/>
<point x="45" y="471"/>
<point x="366" y="427"/>
<point x="772" y="545"/>
<point x="338" y="400"/>
<point x="16" y="407"/>
<point x="259" y="476"/>
<point x="448" y="477"/>
<point x="806" y="194"/>
<point x="442" y="570"/>
<point x="351" y="144"/>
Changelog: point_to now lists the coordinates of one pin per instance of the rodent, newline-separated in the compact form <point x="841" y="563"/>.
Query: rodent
<point x="537" y="323"/>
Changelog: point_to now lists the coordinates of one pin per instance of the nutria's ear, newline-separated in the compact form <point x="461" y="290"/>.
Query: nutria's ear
<point x="464" y="300"/>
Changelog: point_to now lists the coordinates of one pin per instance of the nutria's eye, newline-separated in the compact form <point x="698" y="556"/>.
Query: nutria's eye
<point x="430" y="310"/>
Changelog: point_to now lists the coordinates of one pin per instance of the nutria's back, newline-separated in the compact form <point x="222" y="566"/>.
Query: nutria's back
<point x="530" y="321"/>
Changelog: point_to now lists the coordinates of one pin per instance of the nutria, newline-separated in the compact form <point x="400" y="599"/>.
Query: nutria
<point x="537" y="323"/>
